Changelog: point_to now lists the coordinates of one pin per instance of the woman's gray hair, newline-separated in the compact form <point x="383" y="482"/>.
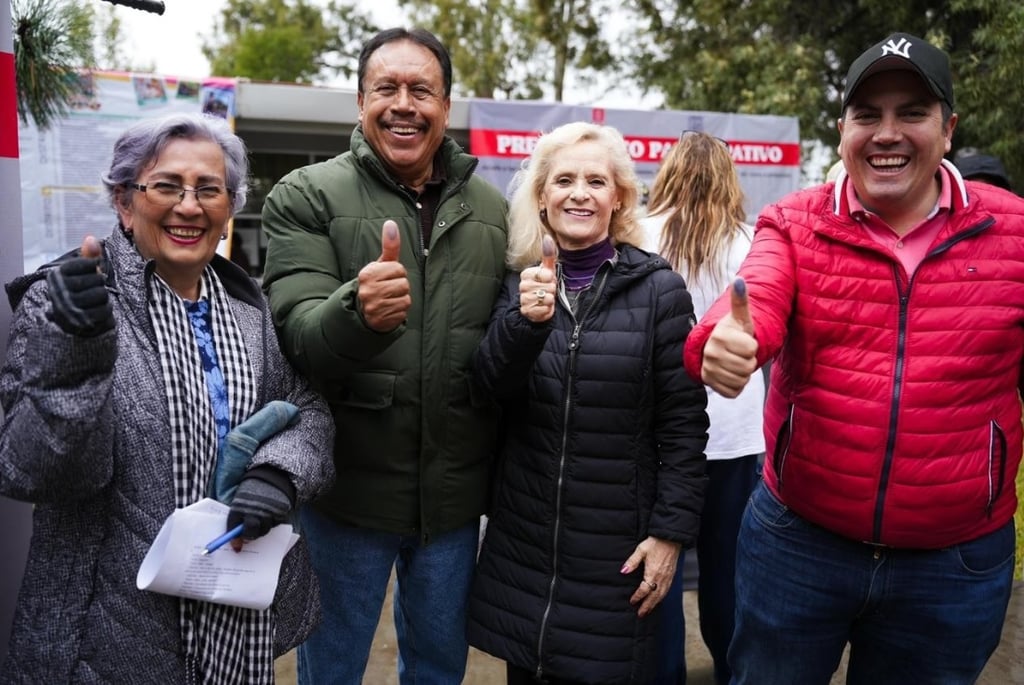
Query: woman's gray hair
<point x="143" y="142"/>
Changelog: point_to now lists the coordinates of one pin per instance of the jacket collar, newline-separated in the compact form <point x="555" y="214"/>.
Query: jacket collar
<point x="455" y="165"/>
<point x="834" y="211"/>
<point x="959" y="201"/>
<point x="133" y="273"/>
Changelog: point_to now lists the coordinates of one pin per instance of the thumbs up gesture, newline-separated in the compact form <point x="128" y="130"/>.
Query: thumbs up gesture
<point x="390" y="242"/>
<point x="384" y="294"/>
<point x="730" y="354"/>
<point x="537" y="286"/>
<point x="78" y="293"/>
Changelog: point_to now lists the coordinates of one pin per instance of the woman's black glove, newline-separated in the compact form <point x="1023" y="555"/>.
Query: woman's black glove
<point x="264" y="498"/>
<point x="81" y="305"/>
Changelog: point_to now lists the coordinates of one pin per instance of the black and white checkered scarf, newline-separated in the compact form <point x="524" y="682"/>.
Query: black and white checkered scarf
<point x="224" y="645"/>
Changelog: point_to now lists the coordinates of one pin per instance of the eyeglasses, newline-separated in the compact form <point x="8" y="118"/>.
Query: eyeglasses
<point x="691" y="132"/>
<point x="167" y="194"/>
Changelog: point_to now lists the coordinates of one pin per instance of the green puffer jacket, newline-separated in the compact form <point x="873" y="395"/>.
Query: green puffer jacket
<point x="413" y="453"/>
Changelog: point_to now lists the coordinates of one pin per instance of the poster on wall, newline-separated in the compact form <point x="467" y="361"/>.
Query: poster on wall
<point x="765" y="148"/>
<point x="62" y="196"/>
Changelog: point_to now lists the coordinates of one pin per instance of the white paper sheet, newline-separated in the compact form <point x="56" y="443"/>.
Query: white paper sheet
<point x="175" y="564"/>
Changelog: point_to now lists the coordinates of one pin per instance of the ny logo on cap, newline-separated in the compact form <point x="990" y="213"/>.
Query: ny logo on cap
<point x="902" y="48"/>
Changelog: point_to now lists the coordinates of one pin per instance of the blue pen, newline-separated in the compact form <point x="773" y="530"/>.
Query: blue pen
<point x="223" y="539"/>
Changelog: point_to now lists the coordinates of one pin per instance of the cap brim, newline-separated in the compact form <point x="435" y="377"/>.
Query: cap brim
<point x="890" y="63"/>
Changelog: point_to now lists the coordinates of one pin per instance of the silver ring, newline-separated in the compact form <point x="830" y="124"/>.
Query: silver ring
<point x="540" y="293"/>
<point x="653" y="586"/>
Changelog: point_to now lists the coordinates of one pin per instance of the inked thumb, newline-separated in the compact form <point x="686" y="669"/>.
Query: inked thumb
<point x="549" y="251"/>
<point x="390" y="242"/>
<point x="741" y="306"/>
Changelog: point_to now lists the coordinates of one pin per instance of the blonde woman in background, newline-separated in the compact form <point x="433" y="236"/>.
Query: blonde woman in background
<point x="696" y="222"/>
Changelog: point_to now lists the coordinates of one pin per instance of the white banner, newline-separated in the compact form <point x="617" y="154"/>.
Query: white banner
<point x="62" y="197"/>
<point x="765" y="149"/>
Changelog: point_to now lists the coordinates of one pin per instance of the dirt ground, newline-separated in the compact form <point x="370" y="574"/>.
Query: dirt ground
<point x="483" y="669"/>
<point x="1005" y="666"/>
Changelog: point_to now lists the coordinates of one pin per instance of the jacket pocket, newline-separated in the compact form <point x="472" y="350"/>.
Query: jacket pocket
<point x="996" y="464"/>
<point x="368" y="390"/>
<point x="296" y="604"/>
<point x="783" y="439"/>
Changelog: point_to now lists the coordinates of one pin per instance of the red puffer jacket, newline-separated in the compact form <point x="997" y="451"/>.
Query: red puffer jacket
<point x="893" y="414"/>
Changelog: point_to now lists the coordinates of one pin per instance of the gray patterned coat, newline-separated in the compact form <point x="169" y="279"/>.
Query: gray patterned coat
<point x="86" y="438"/>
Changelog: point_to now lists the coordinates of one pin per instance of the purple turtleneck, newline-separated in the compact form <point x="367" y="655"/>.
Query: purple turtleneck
<point x="580" y="266"/>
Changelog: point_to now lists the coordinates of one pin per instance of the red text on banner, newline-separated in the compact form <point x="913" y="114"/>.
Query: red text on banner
<point x="520" y="144"/>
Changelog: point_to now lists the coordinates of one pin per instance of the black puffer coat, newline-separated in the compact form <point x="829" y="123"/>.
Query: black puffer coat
<point x="603" y="446"/>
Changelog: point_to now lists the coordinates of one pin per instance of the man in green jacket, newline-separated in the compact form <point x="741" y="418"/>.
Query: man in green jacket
<point x="382" y="267"/>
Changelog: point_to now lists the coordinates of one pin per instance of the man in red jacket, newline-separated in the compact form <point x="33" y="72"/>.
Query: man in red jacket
<point x="892" y="303"/>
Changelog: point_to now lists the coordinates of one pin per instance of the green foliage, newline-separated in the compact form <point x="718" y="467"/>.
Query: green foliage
<point x="287" y="40"/>
<point x="989" y="77"/>
<point x="489" y="41"/>
<point x="513" y="48"/>
<point x="52" y="40"/>
<point x="767" y="57"/>
<point x="572" y="29"/>
<point x="790" y="58"/>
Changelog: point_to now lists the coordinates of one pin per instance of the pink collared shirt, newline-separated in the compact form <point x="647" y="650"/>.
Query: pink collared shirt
<point x="911" y="247"/>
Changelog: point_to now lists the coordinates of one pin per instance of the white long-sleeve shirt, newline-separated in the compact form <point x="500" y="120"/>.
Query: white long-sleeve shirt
<point x="737" y="425"/>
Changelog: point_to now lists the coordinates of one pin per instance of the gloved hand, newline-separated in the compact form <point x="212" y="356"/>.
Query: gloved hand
<point x="81" y="305"/>
<point x="262" y="501"/>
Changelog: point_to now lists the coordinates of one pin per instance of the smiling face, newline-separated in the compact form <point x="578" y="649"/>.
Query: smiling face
<point x="892" y="140"/>
<point x="580" y="194"/>
<point x="403" y="109"/>
<point x="182" y="238"/>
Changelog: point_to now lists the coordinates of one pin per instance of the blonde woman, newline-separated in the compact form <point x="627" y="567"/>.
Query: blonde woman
<point x="601" y="463"/>
<point x="696" y="222"/>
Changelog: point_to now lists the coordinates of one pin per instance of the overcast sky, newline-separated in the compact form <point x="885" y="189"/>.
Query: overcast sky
<point x="171" y="42"/>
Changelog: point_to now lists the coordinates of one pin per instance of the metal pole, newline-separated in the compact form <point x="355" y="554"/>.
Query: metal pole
<point x="15" y="517"/>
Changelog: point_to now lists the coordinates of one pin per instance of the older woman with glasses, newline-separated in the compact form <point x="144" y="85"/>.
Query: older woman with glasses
<point x="129" y="362"/>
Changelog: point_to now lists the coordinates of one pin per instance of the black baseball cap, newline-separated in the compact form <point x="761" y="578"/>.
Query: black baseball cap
<point x="906" y="52"/>
<point x="983" y="168"/>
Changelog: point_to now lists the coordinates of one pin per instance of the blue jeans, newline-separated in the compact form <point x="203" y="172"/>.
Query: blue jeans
<point x="432" y="585"/>
<point x="730" y="482"/>
<point x="910" y="616"/>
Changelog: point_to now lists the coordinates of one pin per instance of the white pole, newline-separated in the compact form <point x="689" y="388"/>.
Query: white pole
<point x="17" y="516"/>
